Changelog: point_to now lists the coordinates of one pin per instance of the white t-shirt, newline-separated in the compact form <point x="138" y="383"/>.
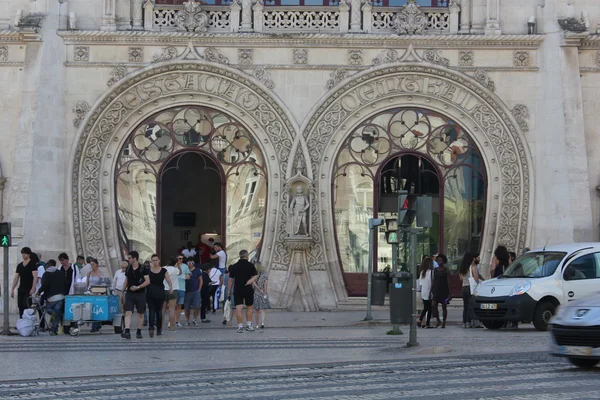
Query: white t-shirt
<point x="40" y="272"/>
<point x="189" y="253"/>
<point x="215" y="276"/>
<point x="173" y="274"/>
<point x="118" y="280"/>
<point x="425" y="284"/>
<point x="222" y="258"/>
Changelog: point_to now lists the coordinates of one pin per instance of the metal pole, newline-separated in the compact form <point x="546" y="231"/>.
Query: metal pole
<point x="395" y="327"/>
<point x="6" y="327"/>
<point x="412" y="340"/>
<point x="369" y="317"/>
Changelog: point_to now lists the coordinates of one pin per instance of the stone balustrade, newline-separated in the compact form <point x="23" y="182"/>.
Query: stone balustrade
<point x="300" y="19"/>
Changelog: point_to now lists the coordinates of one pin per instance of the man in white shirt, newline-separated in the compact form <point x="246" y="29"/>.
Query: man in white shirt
<point x="189" y="251"/>
<point x="119" y="278"/>
<point x="222" y="257"/>
<point x="216" y="280"/>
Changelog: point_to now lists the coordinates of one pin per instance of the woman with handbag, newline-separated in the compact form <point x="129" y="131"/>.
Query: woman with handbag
<point x="155" y="295"/>
<point x="425" y="277"/>
<point x="261" y="297"/>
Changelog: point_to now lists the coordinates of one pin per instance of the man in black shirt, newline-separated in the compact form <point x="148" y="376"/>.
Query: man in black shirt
<point x="26" y="275"/>
<point x="134" y="288"/>
<point x="53" y="288"/>
<point x="244" y="275"/>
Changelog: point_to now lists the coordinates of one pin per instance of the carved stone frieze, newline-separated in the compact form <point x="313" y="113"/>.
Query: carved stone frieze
<point x="213" y="54"/>
<point x="191" y="18"/>
<point x="264" y="76"/>
<point x="386" y="56"/>
<point x="336" y="77"/>
<point x="81" y="109"/>
<point x="521" y="114"/>
<point x="245" y="56"/>
<point x="435" y="57"/>
<point x="167" y="53"/>
<point x="355" y="57"/>
<point x="466" y="58"/>
<point x="81" y="53"/>
<point x="482" y="77"/>
<point x="3" y="53"/>
<point x="410" y="20"/>
<point x="300" y="56"/>
<point x="136" y="54"/>
<point x="521" y="58"/>
<point x="118" y="73"/>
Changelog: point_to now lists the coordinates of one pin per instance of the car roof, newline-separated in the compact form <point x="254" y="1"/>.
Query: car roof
<point x="570" y="247"/>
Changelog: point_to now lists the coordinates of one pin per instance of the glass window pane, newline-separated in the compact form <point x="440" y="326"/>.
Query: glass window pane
<point x="352" y="213"/>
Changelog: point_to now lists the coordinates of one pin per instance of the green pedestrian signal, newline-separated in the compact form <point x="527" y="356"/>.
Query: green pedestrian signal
<point x="5" y="241"/>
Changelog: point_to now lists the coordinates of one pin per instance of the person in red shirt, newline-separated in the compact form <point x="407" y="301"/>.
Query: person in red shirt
<point x="203" y="250"/>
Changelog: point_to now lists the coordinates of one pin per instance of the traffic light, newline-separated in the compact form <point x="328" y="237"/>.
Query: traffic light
<point x="403" y="205"/>
<point x="392" y="237"/>
<point x="5" y="234"/>
<point x="407" y="209"/>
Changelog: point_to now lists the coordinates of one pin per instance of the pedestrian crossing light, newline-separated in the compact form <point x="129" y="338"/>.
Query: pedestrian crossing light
<point x="5" y="234"/>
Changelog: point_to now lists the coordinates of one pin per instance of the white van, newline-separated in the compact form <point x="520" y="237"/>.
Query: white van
<point x="536" y="283"/>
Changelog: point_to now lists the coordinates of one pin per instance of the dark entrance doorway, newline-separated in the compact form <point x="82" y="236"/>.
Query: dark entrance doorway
<point x="190" y="201"/>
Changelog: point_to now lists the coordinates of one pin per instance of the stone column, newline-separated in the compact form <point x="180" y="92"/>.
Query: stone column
<point x="258" y="16"/>
<point x="344" y="18"/>
<point x="109" y="19"/>
<point x="234" y="16"/>
<point x="137" y="9"/>
<point x="454" y="13"/>
<point x="367" y="10"/>
<point x="492" y="25"/>
<point x="355" y="16"/>
<point x="246" y="16"/>
<point x="465" y="17"/>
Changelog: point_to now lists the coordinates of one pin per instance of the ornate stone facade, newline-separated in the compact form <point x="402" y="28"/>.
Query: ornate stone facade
<point x="300" y="88"/>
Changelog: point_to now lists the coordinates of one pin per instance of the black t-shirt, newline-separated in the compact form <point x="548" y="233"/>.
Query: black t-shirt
<point x="68" y="275"/>
<point x="242" y="271"/>
<point x="205" y="281"/>
<point x="157" y="279"/>
<point x="26" y="276"/>
<point x="135" y="277"/>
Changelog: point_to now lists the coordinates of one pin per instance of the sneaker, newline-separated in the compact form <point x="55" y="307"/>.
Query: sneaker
<point x="205" y="321"/>
<point x="158" y="332"/>
<point x="178" y="325"/>
<point x="195" y="322"/>
<point x="262" y="327"/>
<point x="187" y="323"/>
<point x="138" y="334"/>
<point x="150" y="332"/>
<point x="126" y="335"/>
<point x="52" y="333"/>
<point x="240" y="329"/>
<point x="249" y="328"/>
<point x="224" y="322"/>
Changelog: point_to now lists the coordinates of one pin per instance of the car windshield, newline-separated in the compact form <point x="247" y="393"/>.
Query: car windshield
<point x="534" y="265"/>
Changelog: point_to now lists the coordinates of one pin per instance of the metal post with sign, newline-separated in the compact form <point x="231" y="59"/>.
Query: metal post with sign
<point x="5" y="242"/>
<point x="373" y="224"/>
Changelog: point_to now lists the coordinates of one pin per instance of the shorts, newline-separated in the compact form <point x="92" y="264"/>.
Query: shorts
<point x="135" y="300"/>
<point x="244" y="296"/>
<point x="181" y="297"/>
<point x="171" y="296"/>
<point x="192" y="300"/>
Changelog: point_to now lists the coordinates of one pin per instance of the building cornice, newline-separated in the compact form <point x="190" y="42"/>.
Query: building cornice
<point x="591" y="42"/>
<point x="300" y="39"/>
<point x="12" y="36"/>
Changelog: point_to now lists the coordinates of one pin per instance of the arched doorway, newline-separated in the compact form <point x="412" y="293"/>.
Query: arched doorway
<point x="411" y="149"/>
<point x="190" y="173"/>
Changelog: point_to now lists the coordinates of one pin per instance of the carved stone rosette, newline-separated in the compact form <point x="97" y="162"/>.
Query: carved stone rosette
<point x="191" y="18"/>
<point x="410" y="20"/>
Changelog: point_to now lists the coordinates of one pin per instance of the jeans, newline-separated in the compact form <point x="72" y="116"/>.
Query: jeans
<point x="54" y="309"/>
<point x="155" y="316"/>
<point x="466" y="296"/>
<point x="22" y="302"/>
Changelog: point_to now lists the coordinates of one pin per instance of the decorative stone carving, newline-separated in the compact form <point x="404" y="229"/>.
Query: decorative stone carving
<point x="246" y="56"/>
<point x="336" y="77"/>
<point x="81" y="53"/>
<point x="212" y="54"/>
<point x="482" y="77"/>
<point x="32" y="21"/>
<point x="386" y="56"/>
<point x="521" y="114"/>
<point x="435" y="57"/>
<point x="3" y="53"/>
<point x="410" y="20"/>
<point x="466" y="58"/>
<point x="298" y="210"/>
<point x="167" y="54"/>
<point x="81" y="109"/>
<point x="300" y="56"/>
<point x="264" y="77"/>
<point x="116" y="75"/>
<point x="136" y="54"/>
<point x="191" y="18"/>
<point x="355" y="57"/>
<point x="521" y="58"/>
<point x="572" y="25"/>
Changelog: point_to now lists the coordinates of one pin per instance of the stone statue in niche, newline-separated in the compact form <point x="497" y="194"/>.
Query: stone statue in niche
<point x="298" y="212"/>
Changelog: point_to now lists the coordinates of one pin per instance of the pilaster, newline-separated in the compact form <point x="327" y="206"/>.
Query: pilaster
<point x="137" y="9"/>
<point x="465" y="16"/>
<point x="109" y="18"/>
<point x="246" y="16"/>
<point x="492" y="25"/>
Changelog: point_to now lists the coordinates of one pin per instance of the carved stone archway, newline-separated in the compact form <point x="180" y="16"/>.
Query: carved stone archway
<point x="153" y="89"/>
<point x="450" y="93"/>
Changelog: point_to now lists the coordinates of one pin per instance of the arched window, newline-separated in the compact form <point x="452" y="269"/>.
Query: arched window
<point x="410" y="149"/>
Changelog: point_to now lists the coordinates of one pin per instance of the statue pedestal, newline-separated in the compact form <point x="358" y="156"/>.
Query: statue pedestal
<point x="298" y="289"/>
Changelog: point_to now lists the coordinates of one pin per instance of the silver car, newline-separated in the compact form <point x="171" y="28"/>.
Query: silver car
<point x="575" y="331"/>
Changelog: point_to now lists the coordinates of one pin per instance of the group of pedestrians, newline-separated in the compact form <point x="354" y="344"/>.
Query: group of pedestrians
<point x="434" y="286"/>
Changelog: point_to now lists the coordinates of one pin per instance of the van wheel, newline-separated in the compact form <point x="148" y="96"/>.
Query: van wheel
<point x="542" y="315"/>
<point x="493" y="325"/>
<point x="584" y="362"/>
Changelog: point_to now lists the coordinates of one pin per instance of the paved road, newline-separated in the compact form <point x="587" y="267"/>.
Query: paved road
<point x="534" y="376"/>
